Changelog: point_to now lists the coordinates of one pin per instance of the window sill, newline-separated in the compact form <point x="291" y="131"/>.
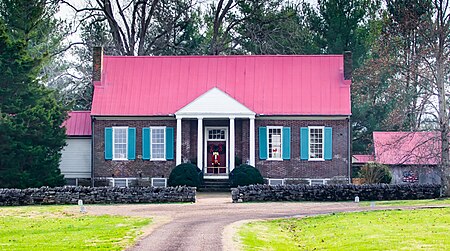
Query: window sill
<point x="316" y="159"/>
<point x="275" y="159"/>
<point x="120" y="159"/>
<point x="158" y="159"/>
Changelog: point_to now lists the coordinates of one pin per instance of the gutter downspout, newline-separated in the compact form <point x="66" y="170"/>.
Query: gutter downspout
<point x="92" y="151"/>
<point x="349" y="151"/>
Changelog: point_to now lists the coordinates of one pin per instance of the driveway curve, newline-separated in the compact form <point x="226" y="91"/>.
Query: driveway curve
<point x="200" y="225"/>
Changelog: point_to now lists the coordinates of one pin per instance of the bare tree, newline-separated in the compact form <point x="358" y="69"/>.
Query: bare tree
<point x="137" y="25"/>
<point x="222" y="26"/>
<point x="410" y="73"/>
<point x="439" y="66"/>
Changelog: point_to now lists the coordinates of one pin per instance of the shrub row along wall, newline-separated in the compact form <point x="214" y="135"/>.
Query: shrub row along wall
<point x="95" y="195"/>
<point x="334" y="192"/>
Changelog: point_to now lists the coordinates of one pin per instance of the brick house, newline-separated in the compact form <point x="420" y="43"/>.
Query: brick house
<point x="289" y="116"/>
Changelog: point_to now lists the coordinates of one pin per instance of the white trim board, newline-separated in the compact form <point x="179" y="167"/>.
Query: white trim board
<point x="168" y="117"/>
<point x="215" y="103"/>
<point x="299" y="117"/>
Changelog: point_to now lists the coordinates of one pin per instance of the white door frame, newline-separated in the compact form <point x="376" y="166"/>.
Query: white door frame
<point x="205" y="144"/>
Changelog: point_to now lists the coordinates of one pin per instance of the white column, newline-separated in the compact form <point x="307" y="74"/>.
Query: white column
<point x="178" y="151"/>
<point x="252" y="142"/>
<point x="200" y="143"/>
<point x="232" y="147"/>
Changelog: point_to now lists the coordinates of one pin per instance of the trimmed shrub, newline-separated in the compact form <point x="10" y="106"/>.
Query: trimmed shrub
<point x="185" y="174"/>
<point x="237" y="161"/>
<point x="245" y="175"/>
<point x="375" y="173"/>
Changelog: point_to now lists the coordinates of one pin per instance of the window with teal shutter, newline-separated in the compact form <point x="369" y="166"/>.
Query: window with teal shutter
<point x="158" y="143"/>
<point x="131" y="143"/>
<point x="146" y="143"/>
<point x="108" y="143"/>
<point x="304" y="143"/>
<point x="286" y="143"/>
<point x="328" y="143"/>
<point x="263" y="142"/>
<point x="169" y="143"/>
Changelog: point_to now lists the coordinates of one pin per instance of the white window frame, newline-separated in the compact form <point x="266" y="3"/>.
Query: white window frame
<point x="205" y="143"/>
<point x="324" y="181"/>
<point x="282" y="181"/>
<point x="218" y="129"/>
<point x="114" y="145"/>
<point x="281" y="143"/>
<point x="309" y="143"/>
<point x="165" y="181"/>
<point x="164" y="144"/>
<point x="112" y="181"/>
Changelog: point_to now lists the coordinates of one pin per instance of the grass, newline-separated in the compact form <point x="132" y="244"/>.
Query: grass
<point x="54" y="228"/>
<point x="423" y="229"/>
<point x="430" y="202"/>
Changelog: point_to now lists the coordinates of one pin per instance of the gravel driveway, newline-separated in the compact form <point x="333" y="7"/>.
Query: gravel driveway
<point x="200" y="225"/>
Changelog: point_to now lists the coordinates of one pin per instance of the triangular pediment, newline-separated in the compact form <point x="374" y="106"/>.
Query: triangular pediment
<point x="215" y="102"/>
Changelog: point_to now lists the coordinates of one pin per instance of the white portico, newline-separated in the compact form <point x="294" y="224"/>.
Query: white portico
<point x="214" y="141"/>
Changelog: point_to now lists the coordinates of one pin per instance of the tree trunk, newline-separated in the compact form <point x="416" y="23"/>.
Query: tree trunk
<point x="443" y="123"/>
<point x="440" y="55"/>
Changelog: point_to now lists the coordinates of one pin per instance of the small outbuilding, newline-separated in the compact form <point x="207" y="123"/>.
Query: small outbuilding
<point x="413" y="157"/>
<point x="76" y="156"/>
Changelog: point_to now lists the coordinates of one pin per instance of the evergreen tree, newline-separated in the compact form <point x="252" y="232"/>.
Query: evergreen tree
<point x="31" y="136"/>
<point x="343" y="25"/>
<point x="274" y="27"/>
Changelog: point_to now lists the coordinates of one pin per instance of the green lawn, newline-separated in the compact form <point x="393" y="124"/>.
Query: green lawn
<point x="422" y="229"/>
<point x="54" y="228"/>
<point x="430" y="202"/>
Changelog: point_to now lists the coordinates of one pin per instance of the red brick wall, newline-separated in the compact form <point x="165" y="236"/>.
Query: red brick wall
<point x="131" y="168"/>
<point x="293" y="168"/>
<point x="296" y="168"/>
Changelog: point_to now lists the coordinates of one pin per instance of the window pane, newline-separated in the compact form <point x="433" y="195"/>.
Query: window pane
<point x="158" y="143"/>
<point x="120" y="143"/>
<point x="274" y="143"/>
<point x="216" y="134"/>
<point x="316" y="143"/>
<point x="120" y="182"/>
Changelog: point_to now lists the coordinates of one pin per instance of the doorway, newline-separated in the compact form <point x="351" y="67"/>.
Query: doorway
<point x="216" y="150"/>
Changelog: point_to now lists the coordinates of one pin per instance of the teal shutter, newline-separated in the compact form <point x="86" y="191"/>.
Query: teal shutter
<point x="169" y="143"/>
<point x="131" y="143"/>
<point x="286" y="151"/>
<point x="108" y="143"/>
<point x="304" y="143"/>
<point x="328" y="143"/>
<point x="263" y="142"/>
<point x="146" y="143"/>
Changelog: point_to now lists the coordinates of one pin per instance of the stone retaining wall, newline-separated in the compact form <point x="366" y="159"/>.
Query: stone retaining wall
<point x="95" y="195"/>
<point x="335" y="192"/>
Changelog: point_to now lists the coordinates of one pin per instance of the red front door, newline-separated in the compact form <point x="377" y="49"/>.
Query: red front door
<point x="216" y="157"/>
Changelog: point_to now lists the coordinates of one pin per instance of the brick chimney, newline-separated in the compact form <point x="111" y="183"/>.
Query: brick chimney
<point x="97" y="63"/>
<point x="348" y="65"/>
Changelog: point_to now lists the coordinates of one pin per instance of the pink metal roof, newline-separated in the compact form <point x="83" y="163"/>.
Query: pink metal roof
<point x="78" y="123"/>
<point x="360" y="158"/>
<point x="268" y="85"/>
<point x="407" y="148"/>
